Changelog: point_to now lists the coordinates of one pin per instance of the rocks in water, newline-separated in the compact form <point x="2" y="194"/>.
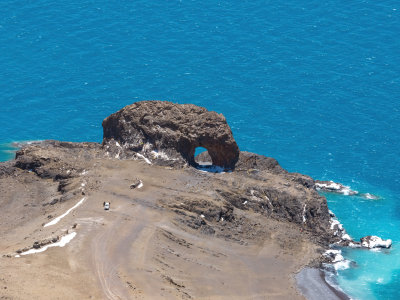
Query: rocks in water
<point x="338" y="229"/>
<point x="369" y="196"/>
<point x="372" y="241"/>
<point x="335" y="259"/>
<point x="330" y="186"/>
<point x="172" y="131"/>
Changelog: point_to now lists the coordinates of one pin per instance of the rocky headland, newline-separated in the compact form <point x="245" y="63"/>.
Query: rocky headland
<point x="238" y="228"/>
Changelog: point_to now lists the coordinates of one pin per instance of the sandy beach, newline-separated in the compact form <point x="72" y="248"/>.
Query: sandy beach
<point x="313" y="286"/>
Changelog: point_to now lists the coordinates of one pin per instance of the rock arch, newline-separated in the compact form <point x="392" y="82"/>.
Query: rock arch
<point x="175" y="130"/>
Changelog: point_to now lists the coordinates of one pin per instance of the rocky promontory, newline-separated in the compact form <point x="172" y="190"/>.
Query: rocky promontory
<point x="171" y="132"/>
<point x="170" y="221"/>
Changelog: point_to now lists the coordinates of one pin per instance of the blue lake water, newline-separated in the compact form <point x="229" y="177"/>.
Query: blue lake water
<point x="314" y="84"/>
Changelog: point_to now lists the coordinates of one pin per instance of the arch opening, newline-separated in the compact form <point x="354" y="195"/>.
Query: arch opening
<point x="202" y="157"/>
<point x="203" y="161"/>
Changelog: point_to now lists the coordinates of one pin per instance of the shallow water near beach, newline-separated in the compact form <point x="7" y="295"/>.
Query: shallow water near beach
<point x="313" y="84"/>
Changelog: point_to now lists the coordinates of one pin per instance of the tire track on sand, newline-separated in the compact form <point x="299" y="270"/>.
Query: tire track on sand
<point x="111" y="249"/>
<point x="105" y="265"/>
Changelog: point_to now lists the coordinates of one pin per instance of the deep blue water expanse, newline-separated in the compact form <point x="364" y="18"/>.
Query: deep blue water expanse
<point x="314" y="84"/>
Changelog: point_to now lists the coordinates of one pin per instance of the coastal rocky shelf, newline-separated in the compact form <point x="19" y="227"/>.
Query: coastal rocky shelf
<point x="236" y="216"/>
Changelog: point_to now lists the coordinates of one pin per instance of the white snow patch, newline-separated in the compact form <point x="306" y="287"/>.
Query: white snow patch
<point x="269" y="201"/>
<point x="254" y="197"/>
<point x="140" y="185"/>
<point x="56" y="220"/>
<point x="304" y="213"/>
<point x="61" y="243"/>
<point x="147" y="147"/>
<point x="144" y="158"/>
<point x="161" y="154"/>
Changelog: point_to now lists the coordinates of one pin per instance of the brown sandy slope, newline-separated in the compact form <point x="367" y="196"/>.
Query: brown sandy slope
<point x="153" y="243"/>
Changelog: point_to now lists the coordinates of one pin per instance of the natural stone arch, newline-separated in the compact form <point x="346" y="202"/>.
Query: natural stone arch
<point x="175" y="130"/>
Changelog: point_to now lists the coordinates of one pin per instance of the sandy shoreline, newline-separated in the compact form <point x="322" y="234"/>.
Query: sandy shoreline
<point x="312" y="284"/>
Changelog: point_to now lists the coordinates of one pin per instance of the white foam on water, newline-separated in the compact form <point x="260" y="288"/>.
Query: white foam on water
<point x="370" y="196"/>
<point x="211" y="169"/>
<point x="342" y="265"/>
<point x="334" y="222"/>
<point x="337" y="255"/>
<point x="346" y="237"/>
<point x="61" y="243"/>
<point x="331" y="186"/>
<point x="56" y="220"/>
<point x="376" y="242"/>
<point x="335" y="187"/>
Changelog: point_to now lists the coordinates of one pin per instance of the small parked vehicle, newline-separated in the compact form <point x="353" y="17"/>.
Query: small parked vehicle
<point x="106" y="205"/>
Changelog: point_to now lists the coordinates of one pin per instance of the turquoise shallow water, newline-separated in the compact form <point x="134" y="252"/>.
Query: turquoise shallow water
<point x="313" y="84"/>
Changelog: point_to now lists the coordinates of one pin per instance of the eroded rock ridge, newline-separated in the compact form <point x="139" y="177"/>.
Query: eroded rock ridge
<point x="164" y="130"/>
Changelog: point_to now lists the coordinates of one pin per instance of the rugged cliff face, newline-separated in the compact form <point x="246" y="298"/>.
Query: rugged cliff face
<point x="170" y="130"/>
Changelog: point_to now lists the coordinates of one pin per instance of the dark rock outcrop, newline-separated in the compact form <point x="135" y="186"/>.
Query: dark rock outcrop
<point x="161" y="129"/>
<point x="372" y="241"/>
<point x="334" y="187"/>
<point x="40" y="158"/>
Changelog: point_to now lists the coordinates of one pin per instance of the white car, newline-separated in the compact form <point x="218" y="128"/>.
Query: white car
<point x="106" y="205"/>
